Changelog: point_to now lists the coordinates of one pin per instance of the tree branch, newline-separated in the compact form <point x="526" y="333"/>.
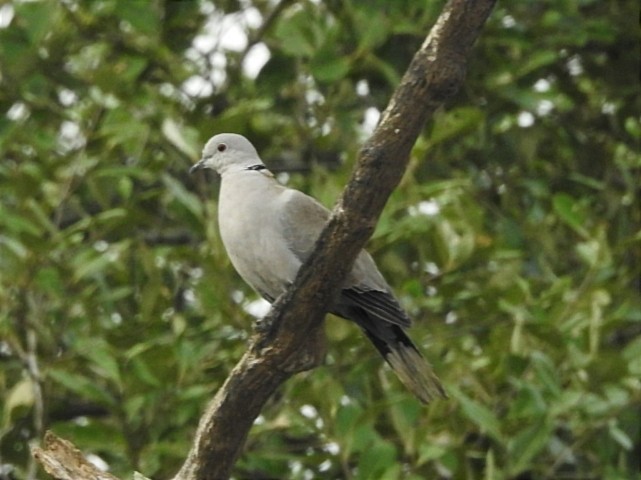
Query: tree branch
<point x="290" y="339"/>
<point x="63" y="461"/>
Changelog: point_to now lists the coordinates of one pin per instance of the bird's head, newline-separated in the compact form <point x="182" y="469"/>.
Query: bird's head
<point x="228" y="152"/>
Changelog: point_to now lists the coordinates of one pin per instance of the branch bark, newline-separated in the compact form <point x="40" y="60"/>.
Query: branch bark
<point x="63" y="461"/>
<point x="290" y="338"/>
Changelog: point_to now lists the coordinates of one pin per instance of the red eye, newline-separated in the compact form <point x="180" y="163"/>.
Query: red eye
<point x="221" y="147"/>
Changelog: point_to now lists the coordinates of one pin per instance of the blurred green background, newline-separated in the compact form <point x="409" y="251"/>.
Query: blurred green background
<point x="513" y="239"/>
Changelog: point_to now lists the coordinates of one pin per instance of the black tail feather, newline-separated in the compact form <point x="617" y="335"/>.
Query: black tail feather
<point x="390" y="339"/>
<point x="412" y="369"/>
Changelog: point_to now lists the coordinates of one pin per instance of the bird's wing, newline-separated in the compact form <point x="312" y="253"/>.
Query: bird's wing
<point x="302" y="220"/>
<point x="378" y="304"/>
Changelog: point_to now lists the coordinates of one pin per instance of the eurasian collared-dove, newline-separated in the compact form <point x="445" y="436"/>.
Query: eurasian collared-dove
<point x="269" y="230"/>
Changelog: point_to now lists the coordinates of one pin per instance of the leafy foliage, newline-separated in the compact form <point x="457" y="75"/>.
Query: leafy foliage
<point x="513" y="239"/>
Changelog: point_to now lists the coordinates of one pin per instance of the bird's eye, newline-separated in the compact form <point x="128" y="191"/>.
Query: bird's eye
<point x="221" y="147"/>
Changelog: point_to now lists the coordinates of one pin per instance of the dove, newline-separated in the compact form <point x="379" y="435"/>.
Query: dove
<point x="269" y="230"/>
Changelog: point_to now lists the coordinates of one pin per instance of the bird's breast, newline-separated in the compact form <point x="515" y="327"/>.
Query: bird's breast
<point x="249" y="228"/>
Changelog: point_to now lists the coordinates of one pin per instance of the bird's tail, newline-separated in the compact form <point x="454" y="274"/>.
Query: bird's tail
<point x="412" y="369"/>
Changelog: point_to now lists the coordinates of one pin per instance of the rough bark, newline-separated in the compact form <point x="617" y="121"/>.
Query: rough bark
<point x="290" y="338"/>
<point x="63" y="461"/>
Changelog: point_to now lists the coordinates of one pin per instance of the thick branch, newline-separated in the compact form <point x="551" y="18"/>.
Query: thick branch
<point x="292" y="341"/>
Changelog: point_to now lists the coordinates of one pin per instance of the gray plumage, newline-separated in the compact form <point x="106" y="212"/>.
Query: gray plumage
<point x="269" y="230"/>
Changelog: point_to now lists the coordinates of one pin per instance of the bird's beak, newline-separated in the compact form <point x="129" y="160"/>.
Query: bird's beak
<point x="197" y="166"/>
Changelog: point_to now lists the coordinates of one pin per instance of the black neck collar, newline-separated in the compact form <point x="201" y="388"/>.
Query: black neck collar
<point x="257" y="167"/>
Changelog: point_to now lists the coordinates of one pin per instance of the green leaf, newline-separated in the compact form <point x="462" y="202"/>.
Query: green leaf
<point x="37" y="18"/>
<point x="116" y="172"/>
<point x="82" y="386"/>
<point x="479" y="414"/>
<point x="296" y="34"/>
<point x="89" y="263"/>
<point x="373" y="28"/>
<point x="346" y="418"/>
<point x="129" y="68"/>
<point x="49" y="280"/>
<point x="620" y="436"/>
<point x="404" y="415"/>
<point x="18" y="223"/>
<point x="17" y="248"/>
<point x="430" y="451"/>
<point x="102" y="359"/>
<point x="183" y="138"/>
<point x="536" y="61"/>
<point x="144" y="372"/>
<point x="375" y="459"/>
<point x="546" y="372"/>
<point x="329" y="69"/>
<point x="528" y="443"/>
<point x="121" y="128"/>
<point x="454" y="123"/>
<point x="569" y="211"/>
<point x="17" y="55"/>
<point x="632" y="353"/>
<point x="20" y="395"/>
<point x="185" y="198"/>
<point x="143" y="16"/>
<point x="589" y="251"/>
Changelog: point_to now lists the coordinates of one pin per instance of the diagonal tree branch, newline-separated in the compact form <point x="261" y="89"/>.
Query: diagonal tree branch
<point x="291" y="339"/>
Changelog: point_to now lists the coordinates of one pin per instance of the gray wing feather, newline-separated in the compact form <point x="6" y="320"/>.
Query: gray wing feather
<point x="303" y="220"/>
